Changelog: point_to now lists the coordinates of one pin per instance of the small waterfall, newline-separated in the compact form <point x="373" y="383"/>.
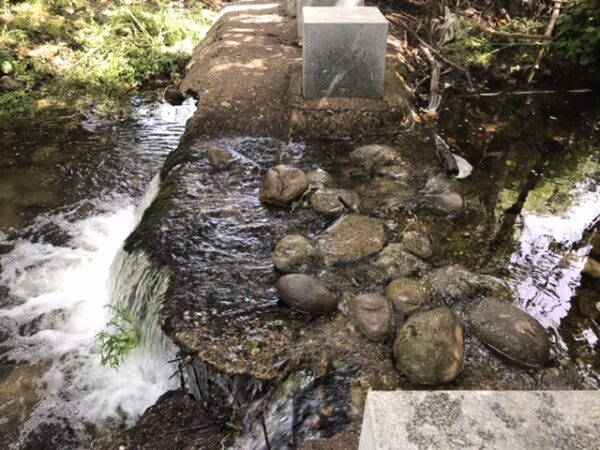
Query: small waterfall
<point x="57" y="303"/>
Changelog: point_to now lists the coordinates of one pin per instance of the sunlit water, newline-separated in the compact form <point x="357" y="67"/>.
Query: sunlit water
<point x="59" y="276"/>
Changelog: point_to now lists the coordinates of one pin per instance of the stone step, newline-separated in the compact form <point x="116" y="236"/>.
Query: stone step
<point x="514" y="420"/>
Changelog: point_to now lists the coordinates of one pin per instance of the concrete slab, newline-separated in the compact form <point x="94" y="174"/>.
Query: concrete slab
<point x="339" y="3"/>
<point x="344" y="52"/>
<point x="515" y="420"/>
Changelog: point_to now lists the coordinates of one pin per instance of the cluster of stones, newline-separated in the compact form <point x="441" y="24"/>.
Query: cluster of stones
<point x="428" y="342"/>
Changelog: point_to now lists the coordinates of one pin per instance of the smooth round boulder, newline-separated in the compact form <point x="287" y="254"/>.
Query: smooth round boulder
<point x="511" y="332"/>
<point x="219" y="158"/>
<point x="417" y="243"/>
<point x="173" y="96"/>
<point x="374" y="155"/>
<point x="294" y="253"/>
<point x="282" y="184"/>
<point x="334" y="202"/>
<point x="429" y="347"/>
<point x="591" y="268"/>
<point x="352" y="238"/>
<point x="394" y="261"/>
<point x="374" y="316"/>
<point x="406" y="294"/>
<point x="306" y="293"/>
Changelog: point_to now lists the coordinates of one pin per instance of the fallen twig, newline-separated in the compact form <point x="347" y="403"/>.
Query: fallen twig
<point x="435" y="98"/>
<point x="548" y="34"/>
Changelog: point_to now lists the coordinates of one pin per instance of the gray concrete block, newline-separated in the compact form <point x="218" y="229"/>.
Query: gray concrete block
<point x="339" y="3"/>
<point x="515" y="420"/>
<point x="344" y="52"/>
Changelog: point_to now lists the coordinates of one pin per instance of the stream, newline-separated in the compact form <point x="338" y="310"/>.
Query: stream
<point x="69" y="200"/>
<point x="71" y="194"/>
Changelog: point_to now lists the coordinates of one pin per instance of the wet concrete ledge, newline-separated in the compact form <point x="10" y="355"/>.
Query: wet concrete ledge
<point x="561" y="420"/>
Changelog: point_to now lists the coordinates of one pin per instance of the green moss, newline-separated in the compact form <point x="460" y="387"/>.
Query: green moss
<point x="94" y="54"/>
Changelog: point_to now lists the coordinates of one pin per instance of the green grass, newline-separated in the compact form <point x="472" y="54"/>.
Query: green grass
<point x="119" y="338"/>
<point x="80" y="55"/>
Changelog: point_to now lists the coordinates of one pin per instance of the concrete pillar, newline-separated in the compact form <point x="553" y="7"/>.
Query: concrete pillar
<point x="494" y="420"/>
<point x="344" y="52"/>
<point x="339" y="3"/>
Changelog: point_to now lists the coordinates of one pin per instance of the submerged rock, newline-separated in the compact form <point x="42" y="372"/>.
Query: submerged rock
<point x="306" y="293"/>
<point x="352" y="238"/>
<point x="429" y="347"/>
<point x="588" y="303"/>
<point x="334" y="202"/>
<point x="374" y="315"/>
<point x="452" y="282"/>
<point x="396" y="172"/>
<point x="219" y="158"/>
<point x="174" y="97"/>
<point x="374" y="155"/>
<point x="406" y="294"/>
<point x="448" y="202"/>
<point x="294" y="253"/>
<point x="282" y="185"/>
<point x="394" y="261"/>
<point x="511" y="332"/>
<point x="318" y="178"/>
<point x="417" y="243"/>
<point x="47" y="155"/>
<point x="592" y="268"/>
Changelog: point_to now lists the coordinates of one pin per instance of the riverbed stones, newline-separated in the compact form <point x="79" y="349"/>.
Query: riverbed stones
<point x="406" y="294"/>
<point x="306" y="293"/>
<point x="429" y="347"/>
<point x="452" y="282"/>
<point x="318" y="178"/>
<point x="282" y="184"/>
<point x="417" y="243"/>
<point x="394" y="261"/>
<point x="375" y="155"/>
<point x="511" y="332"/>
<point x="588" y="303"/>
<point x="47" y="155"/>
<point x="334" y="202"/>
<point x="374" y="316"/>
<point x="352" y="238"/>
<point x="294" y="253"/>
<point x="219" y="159"/>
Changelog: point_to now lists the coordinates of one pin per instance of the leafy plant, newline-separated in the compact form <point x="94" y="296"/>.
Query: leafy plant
<point x="578" y="32"/>
<point x="120" y="337"/>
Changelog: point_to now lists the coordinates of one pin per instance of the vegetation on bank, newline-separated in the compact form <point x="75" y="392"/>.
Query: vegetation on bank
<point x="78" y="55"/>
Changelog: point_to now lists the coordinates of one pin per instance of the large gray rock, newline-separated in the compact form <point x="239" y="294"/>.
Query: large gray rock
<point x="352" y="238"/>
<point x="219" y="158"/>
<point x="511" y="332"/>
<point x="452" y="282"/>
<point x="334" y="202"/>
<point x="282" y="184"/>
<point x="429" y="347"/>
<point x="406" y="294"/>
<point x="374" y="155"/>
<point x="294" y="253"/>
<point x="417" y="243"/>
<point x="344" y="52"/>
<point x="394" y="261"/>
<point x="374" y="316"/>
<point x="306" y="293"/>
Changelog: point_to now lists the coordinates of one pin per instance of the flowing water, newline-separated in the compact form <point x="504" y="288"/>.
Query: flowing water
<point x="68" y="197"/>
<point x="69" y="201"/>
